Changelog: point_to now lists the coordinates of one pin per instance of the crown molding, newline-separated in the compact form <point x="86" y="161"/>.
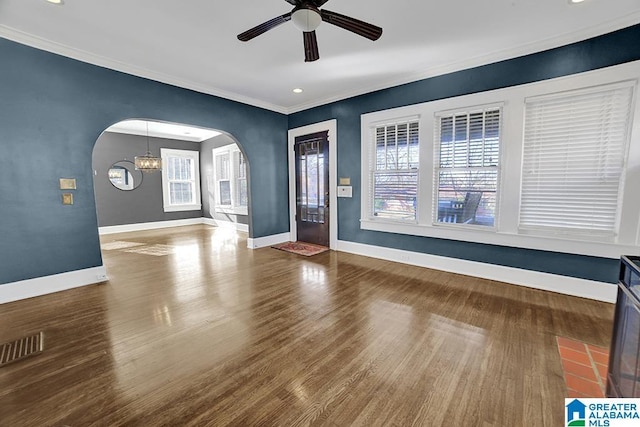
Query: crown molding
<point x="501" y="55"/>
<point x="101" y="61"/>
<point x="497" y="56"/>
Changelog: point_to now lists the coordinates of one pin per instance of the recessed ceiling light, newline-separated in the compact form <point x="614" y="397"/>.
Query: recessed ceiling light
<point x="297" y="90"/>
<point x="58" y="2"/>
<point x="575" y="1"/>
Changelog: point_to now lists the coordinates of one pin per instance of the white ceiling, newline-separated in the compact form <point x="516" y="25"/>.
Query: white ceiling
<point x="193" y="43"/>
<point x="162" y="130"/>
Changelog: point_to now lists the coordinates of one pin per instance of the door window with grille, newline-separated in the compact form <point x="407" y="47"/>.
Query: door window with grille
<point x="312" y="188"/>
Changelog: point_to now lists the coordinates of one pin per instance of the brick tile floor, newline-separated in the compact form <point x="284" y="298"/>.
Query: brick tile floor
<point x="585" y="367"/>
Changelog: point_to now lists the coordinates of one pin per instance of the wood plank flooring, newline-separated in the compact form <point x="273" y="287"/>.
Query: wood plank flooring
<point x="214" y="334"/>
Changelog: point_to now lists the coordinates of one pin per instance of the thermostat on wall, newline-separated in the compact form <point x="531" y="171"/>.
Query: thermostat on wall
<point x="345" y="191"/>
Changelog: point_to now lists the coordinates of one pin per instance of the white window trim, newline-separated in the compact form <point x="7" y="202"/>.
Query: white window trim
<point x="165" y="153"/>
<point x="506" y="231"/>
<point x="232" y="209"/>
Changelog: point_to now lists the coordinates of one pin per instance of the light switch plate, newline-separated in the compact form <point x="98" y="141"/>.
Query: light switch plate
<point x="345" y="181"/>
<point x="67" y="198"/>
<point x="67" y="183"/>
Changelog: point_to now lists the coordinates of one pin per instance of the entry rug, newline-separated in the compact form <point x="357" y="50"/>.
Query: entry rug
<point x="301" y="248"/>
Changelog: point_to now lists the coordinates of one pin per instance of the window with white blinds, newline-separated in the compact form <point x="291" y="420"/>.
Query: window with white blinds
<point x="574" y="158"/>
<point x="549" y="165"/>
<point x="394" y="170"/>
<point x="467" y="159"/>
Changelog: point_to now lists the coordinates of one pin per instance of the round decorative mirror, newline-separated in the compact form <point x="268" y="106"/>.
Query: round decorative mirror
<point x="124" y="176"/>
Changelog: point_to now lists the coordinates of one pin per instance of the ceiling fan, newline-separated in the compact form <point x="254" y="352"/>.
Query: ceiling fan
<point x="307" y="16"/>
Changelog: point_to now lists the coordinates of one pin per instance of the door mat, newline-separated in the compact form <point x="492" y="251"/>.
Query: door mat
<point x="301" y="248"/>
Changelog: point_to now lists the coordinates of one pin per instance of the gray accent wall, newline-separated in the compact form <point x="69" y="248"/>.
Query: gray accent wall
<point x="144" y="204"/>
<point x="207" y="181"/>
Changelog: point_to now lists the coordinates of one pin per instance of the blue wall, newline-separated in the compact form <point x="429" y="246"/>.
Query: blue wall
<point x="611" y="49"/>
<point x="52" y="110"/>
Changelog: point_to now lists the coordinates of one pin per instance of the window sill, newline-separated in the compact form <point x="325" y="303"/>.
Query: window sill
<point x="182" y="208"/>
<point x="232" y="211"/>
<point x="490" y="236"/>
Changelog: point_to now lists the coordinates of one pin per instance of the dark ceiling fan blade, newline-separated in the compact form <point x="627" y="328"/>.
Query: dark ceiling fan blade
<point x="310" y="46"/>
<point x="264" y="27"/>
<point x="319" y="3"/>
<point x="293" y="2"/>
<point x="364" y="29"/>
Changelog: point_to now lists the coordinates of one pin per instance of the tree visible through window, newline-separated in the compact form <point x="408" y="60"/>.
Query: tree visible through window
<point x="468" y="146"/>
<point x="395" y="171"/>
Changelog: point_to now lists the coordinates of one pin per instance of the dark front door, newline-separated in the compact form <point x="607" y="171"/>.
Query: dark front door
<point x="312" y="188"/>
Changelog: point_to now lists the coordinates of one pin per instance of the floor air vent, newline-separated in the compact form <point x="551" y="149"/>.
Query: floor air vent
<point x="21" y="348"/>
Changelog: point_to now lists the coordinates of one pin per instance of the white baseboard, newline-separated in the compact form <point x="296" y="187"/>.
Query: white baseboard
<point x="533" y="279"/>
<point x="29" y="288"/>
<point x="226" y="224"/>
<point x="148" y="226"/>
<point x="262" y="242"/>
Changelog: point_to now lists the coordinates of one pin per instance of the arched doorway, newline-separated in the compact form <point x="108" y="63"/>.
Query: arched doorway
<point x="190" y="189"/>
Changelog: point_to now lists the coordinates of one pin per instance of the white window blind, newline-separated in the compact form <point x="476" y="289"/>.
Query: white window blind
<point x="466" y="169"/>
<point x="394" y="171"/>
<point x="573" y="159"/>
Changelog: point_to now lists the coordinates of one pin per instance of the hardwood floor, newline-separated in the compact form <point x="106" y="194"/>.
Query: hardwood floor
<point x="212" y="333"/>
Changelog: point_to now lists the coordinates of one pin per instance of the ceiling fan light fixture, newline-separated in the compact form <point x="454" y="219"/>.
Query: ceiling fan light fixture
<point x="307" y="16"/>
<point x="306" y="19"/>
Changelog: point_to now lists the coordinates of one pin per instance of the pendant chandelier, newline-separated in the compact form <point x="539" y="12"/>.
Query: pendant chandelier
<point x="148" y="162"/>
